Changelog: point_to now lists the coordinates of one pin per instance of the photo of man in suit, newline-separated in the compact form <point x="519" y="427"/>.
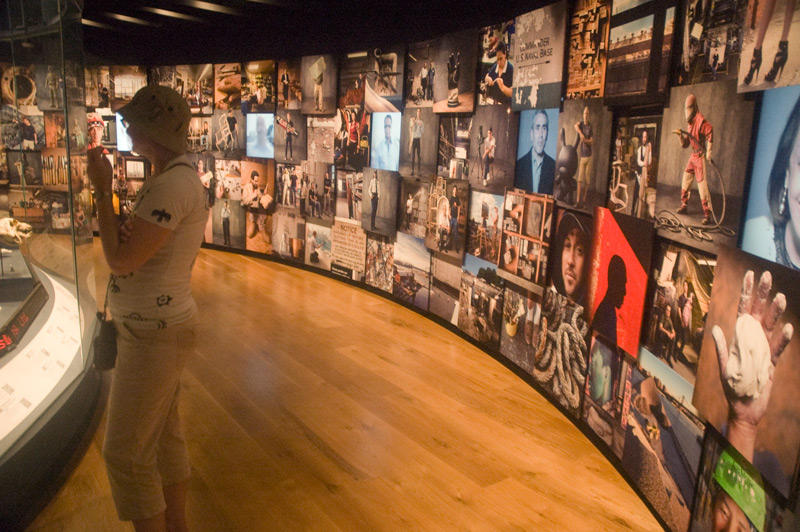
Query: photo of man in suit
<point x="536" y="169"/>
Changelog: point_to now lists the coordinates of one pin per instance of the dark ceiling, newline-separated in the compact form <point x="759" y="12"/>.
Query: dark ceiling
<point x="152" y="32"/>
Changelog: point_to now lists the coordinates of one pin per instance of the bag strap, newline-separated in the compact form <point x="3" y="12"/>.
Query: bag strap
<point x="105" y="303"/>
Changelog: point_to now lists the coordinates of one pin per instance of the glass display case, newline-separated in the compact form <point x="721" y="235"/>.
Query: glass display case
<point x="47" y="280"/>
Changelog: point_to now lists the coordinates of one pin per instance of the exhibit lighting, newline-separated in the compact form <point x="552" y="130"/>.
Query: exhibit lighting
<point x="173" y="14"/>
<point x="356" y="55"/>
<point x="210" y="6"/>
<point x="132" y="20"/>
<point x="92" y="23"/>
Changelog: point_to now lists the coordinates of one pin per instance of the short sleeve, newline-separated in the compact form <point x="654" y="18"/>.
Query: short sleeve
<point x="167" y="200"/>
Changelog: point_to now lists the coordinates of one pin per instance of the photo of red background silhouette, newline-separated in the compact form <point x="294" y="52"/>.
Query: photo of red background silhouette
<point x="618" y="277"/>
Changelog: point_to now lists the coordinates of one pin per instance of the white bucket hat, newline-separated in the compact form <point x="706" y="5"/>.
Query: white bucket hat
<point x="161" y="114"/>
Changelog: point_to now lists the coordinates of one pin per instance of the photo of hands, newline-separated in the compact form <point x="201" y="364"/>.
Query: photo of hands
<point x="750" y="363"/>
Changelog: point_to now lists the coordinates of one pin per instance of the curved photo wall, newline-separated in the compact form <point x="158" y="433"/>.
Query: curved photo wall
<point x="586" y="192"/>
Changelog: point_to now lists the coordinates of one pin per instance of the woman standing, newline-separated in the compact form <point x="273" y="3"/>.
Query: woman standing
<point x="151" y="302"/>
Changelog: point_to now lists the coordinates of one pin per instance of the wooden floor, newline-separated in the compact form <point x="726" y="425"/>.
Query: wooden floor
<point x="314" y="405"/>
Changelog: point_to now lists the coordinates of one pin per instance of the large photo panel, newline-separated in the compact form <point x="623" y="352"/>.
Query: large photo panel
<point x="539" y="48"/>
<point x="772" y="228"/>
<point x="702" y="168"/>
<point x="749" y="364"/>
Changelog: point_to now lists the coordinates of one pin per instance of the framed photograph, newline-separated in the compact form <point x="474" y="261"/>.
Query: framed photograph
<point x="608" y="392"/>
<point x="454" y="144"/>
<point x="750" y="363"/>
<point x="536" y="151"/>
<point x="380" y="262"/>
<point x="712" y="41"/>
<point x="419" y="137"/>
<point x="639" y="49"/>
<point x="447" y="216"/>
<point x="679" y="297"/>
<point x="290" y="136"/>
<point x="767" y="36"/>
<point x="583" y="147"/>
<point x="385" y="75"/>
<point x="379" y="209"/>
<point x="484" y="230"/>
<point x="709" y="155"/>
<point x="620" y="264"/>
<point x="633" y="182"/>
<point x="445" y="287"/>
<point x="496" y="77"/>
<point x="228" y="86"/>
<point x="260" y="135"/>
<point x="588" y="43"/>
<point x="414" y="207"/>
<point x="412" y="271"/>
<point x="318" y="246"/>
<point x="348" y="249"/>
<point x="526" y="221"/>
<point x="493" y="150"/>
<point x="540" y="43"/>
<point x="454" y="68"/>
<point x="480" y="313"/>
<point x="290" y="92"/>
<point x="318" y="75"/>
<point x="259" y="87"/>
<point x="385" y="152"/>
<point x="662" y="447"/>
<point x="772" y="227"/>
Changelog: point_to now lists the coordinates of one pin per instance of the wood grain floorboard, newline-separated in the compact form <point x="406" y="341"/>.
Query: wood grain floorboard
<point x="311" y="405"/>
